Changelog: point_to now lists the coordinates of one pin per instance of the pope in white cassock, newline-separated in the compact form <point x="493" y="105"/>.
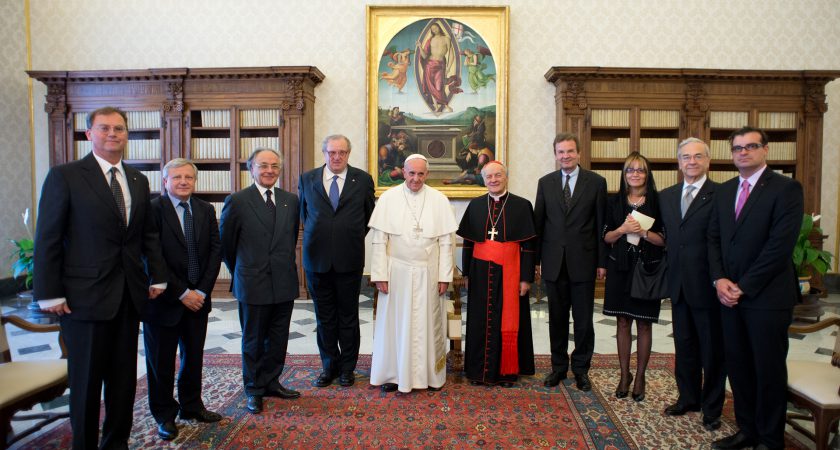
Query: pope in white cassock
<point x="411" y="264"/>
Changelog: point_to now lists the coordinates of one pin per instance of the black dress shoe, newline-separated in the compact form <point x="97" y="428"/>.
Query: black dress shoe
<point x="623" y="387"/>
<point x="282" y="392"/>
<point x="736" y="441"/>
<point x="347" y="379"/>
<point x="711" y="423"/>
<point x="506" y="384"/>
<point x="324" y="380"/>
<point x="389" y="387"/>
<point x="434" y="389"/>
<point x="554" y="378"/>
<point x="255" y="404"/>
<point x="582" y="381"/>
<point x="678" y="409"/>
<point x="202" y="415"/>
<point x="476" y="383"/>
<point x="167" y="430"/>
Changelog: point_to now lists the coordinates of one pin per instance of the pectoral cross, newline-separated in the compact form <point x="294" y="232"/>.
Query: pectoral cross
<point x="492" y="233"/>
<point x="415" y="232"/>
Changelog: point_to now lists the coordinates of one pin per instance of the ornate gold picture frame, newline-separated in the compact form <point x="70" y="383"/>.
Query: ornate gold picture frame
<point x="437" y="82"/>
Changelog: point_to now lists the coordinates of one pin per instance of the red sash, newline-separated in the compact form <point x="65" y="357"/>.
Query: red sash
<point x="506" y="254"/>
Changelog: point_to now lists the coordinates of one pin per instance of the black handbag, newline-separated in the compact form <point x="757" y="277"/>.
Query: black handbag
<point x="650" y="284"/>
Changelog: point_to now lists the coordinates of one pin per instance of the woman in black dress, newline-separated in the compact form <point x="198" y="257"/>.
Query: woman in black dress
<point x="637" y="193"/>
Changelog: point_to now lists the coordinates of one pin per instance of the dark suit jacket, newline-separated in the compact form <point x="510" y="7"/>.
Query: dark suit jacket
<point x="685" y="240"/>
<point x="335" y="239"/>
<point x="259" y="251"/>
<point x="573" y="236"/>
<point x="755" y="251"/>
<point x="83" y="252"/>
<point x="167" y="309"/>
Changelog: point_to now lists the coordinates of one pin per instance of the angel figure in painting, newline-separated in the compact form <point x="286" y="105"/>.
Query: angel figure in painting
<point x="475" y="68"/>
<point x="399" y="67"/>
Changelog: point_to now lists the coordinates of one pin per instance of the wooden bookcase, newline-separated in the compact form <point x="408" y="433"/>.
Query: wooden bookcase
<point x="618" y="110"/>
<point x="214" y="117"/>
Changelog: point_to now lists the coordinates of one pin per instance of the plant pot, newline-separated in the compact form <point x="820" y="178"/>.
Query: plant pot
<point x="810" y="309"/>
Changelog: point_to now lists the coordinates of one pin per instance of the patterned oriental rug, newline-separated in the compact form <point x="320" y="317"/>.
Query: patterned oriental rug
<point x="528" y="415"/>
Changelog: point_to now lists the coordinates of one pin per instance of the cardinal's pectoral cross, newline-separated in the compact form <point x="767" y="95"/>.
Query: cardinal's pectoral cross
<point x="492" y="233"/>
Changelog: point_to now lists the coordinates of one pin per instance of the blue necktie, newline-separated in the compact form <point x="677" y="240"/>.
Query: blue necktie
<point x="192" y="247"/>
<point x="334" y="193"/>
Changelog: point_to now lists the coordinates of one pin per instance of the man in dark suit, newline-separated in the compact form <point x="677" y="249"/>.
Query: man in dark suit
<point x="686" y="208"/>
<point x="95" y="232"/>
<point x="569" y="213"/>
<point x="336" y="202"/>
<point x="189" y="237"/>
<point x="754" y="226"/>
<point x="259" y="235"/>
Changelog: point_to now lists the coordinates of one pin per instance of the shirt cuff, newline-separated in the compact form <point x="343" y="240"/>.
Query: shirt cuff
<point x="186" y="291"/>
<point x="159" y="286"/>
<point x="50" y="302"/>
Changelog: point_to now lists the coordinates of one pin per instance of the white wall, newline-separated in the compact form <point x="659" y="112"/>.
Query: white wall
<point x="330" y="34"/>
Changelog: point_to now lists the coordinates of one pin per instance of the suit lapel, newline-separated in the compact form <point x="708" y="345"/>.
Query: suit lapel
<point x="135" y="188"/>
<point x="703" y="196"/>
<point x="580" y="188"/>
<point x="755" y="195"/>
<point x="260" y="209"/>
<point x="318" y="184"/>
<point x="279" y="217"/>
<point x="198" y="219"/>
<point x="350" y="185"/>
<point x="170" y="216"/>
<point x="98" y="184"/>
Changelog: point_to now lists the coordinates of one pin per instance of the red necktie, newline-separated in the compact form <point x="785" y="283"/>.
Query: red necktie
<point x="742" y="199"/>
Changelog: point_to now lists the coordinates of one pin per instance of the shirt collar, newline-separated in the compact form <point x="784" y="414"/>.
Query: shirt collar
<point x="573" y="174"/>
<point x="177" y="202"/>
<point x="697" y="184"/>
<point x="106" y="166"/>
<point x="328" y="174"/>
<point x="753" y="179"/>
<point x="262" y="190"/>
<point x="497" y="197"/>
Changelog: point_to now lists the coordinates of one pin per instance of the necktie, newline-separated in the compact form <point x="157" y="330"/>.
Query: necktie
<point x="270" y="203"/>
<point x="742" y="199"/>
<point x="567" y="191"/>
<point x="116" y="191"/>
<point x="687" y="199"/>
<point x="192" y="247"/>
<point x="334" y="192"/>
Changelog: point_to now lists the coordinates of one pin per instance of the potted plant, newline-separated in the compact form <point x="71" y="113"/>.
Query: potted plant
<point x="23" y="262"/>
<point x="809" y="261"/>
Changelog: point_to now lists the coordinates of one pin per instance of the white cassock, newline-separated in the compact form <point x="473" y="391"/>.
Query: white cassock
<point x="412" y="251"/>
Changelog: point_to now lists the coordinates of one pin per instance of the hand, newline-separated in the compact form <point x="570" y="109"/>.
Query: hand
<point x="601" y="273"/>
<point x="631" y="225"/>
<point x="382" y="286"/>
<point x="154" y="292"/>
<point x="728" y="292"/>
<point x="58" y="310"/>
<point x="442" y="287"/>
<point x="524" y="287"/>
<point x="193" y="301"/>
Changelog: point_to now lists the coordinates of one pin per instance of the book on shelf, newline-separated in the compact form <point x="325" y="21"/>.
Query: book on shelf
<point x="658" y="148"/>
<point x="259" y="118"/>
<point x="612" y="176"/>
<point x="155" y="181"/>
<point x="245" y="179"/>
<point x="720" y="176"/>
<point x="781" y="151"/>
<point x="213" y="181"/>
<point x="137" y="120"/>
<point x="665" y="178"/>
<point x="215" y="118"/>
<point x="248" y="144"/>
<point x="610" y="117"/>
<point x="728" y="119"/>
<point x="720" y="149"/>
<point x="210" y="148"/>
<point x="777" y="120"/>
<point x="616" y="148"/>
<point x="218" y="206"/>
<point x="82" y="148"/>
<point x="80" y="121"/>
<point x="658" y="118"/>
<point x="142" y="149"/>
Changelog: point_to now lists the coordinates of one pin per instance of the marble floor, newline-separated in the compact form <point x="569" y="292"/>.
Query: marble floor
<point x="224" y="335"/>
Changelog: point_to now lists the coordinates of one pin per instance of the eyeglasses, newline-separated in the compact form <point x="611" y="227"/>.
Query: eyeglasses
<point x="272" y="167"/>
<point x="106" y="129"/>
<point x="639" y="170"/>
<point x="751" y="146"/>
<point x="333" y="154"/>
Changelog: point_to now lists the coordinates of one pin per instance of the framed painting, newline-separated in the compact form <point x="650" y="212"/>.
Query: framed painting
<point x="437" y="85"/>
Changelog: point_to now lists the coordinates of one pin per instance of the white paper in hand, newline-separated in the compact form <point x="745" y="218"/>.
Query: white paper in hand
<point x="645" y="222"/>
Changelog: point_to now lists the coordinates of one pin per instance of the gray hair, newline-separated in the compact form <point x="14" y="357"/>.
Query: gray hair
<point x="692" y="140"/>
<point x="504" y="169"/>
<point x="176" y="163"/>
<point x="257" y="151"/>
<point x="335" y="137"/>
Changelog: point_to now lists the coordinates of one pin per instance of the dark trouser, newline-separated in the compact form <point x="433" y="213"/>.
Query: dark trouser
<point x="756" y="345"/>
<point x="265" y="336"/>
<point x="336" y="299"/>
<point x="102" y="352"/>
<point x="700" y="368"/>
<point x="161" y="343"/>
<point x="564" y="295"/>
